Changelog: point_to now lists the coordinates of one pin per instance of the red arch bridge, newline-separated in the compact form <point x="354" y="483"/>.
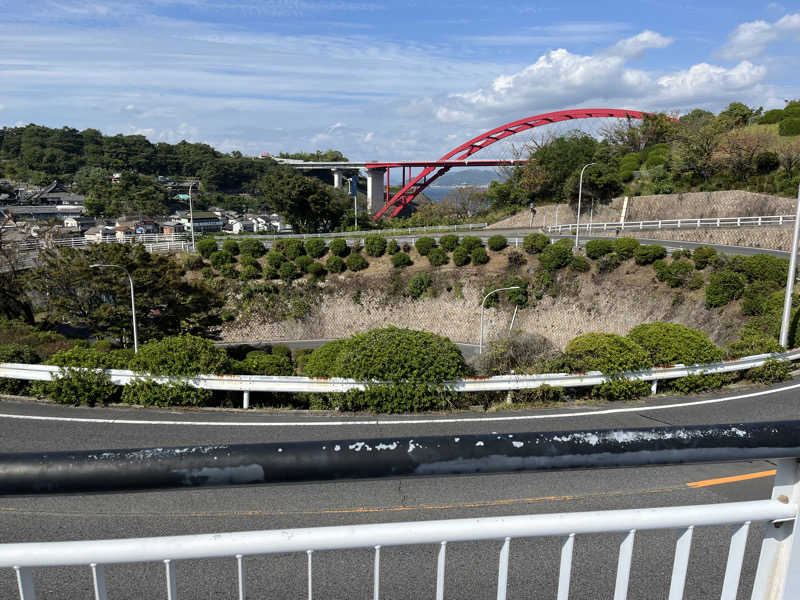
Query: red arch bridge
<point x="378" y="173"/>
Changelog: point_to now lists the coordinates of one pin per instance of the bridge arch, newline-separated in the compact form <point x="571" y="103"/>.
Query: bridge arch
<point x="467" y="149"/>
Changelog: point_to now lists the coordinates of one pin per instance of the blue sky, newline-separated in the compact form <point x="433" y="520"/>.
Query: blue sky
<point x="376" y="79"/>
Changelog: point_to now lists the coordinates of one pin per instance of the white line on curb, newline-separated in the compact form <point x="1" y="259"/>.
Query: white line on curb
<point x="587" y="413"/>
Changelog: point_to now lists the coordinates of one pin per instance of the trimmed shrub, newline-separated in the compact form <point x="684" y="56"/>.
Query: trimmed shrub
<point x="516" y="259"/>
<point x="249" y="272"/>
<point x="518" y="297"/>
<point x="262" y="363"/>
<point x="772" y="371"/>
<point x="460" y="256"/>
<point x="470" y="242"/>
<point x="401" y="260"/>
<point x="608" y="262"/>
<point x="723" y="287"/>
<point x="479" y="256"/>
<point x="316" y="247"/>
<point x="438" y="257"/>
<point x="765" y="267"/>
<point x="228" y="272"/>
<point x="771" y="117"/>
<point x="251" y="247"/>
<point x="671" y="343"/>
<point x="702" y="256"/>
<point x="449" y="242"/>
<point x="303" y="262"/>
<point x="424" y="245"/>
<point x="316" y="270"/>
<point x="681" y="253"/>
<point x="497" y="242"/>
<point x="288" y="272"/>
<point x="375" y="245"/>
<point x="605" y="352"/>
<point x="625" y="247"/>
<point x="789" y="126"/>
<point x="270" y="272"/>
<point x="675" y="274"/>
<point x="393" y="247"/>
<point x="338" y="247"/>
<point x="192" y="262"/>
<point x="206" y="247"/>
<point x="293" y="248"/>
<point x="580" y="264"/>
<point x="356" y="247"/>
<point x="78" y="386"/>
<point x="335" y="264"/>
<point x="600" y="247"/>
<point x="248" y="261"/>
<point x="275" y="259"/>
<point x="645" y="255"/>
<point x="16" y="353"/>
<point x="751" y="343"/>
<point x="621" y="390"/>
<point x="231" y="246"/>
<point x="207" y="273"/>
<point x="322" y="360"/>
<point x="569" y="242"/>
<point x="221" y="257"/>
<point x="555" y="256"/>
<point x="533" y="243"/>
<point x="418" y="285"/>
<point x="356" y="262"/>
<point x="696" y="282"/>
<point x="282" y="350"/>
<point x="518" y="351"/>
<point x="755" y="296"/>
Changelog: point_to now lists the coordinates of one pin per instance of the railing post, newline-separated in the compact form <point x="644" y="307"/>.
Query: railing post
<point x="778" y="572"/>
<point x="246" y="399"/>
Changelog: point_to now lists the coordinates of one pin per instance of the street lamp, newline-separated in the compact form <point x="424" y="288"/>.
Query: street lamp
<point x="580" y="189"/>
<point x="787" y="300"/>
<point x="483" y="302"/>
<point x="133" y="303"/>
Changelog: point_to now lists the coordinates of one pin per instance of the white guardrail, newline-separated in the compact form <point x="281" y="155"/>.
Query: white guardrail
<point x="144" y="238"/>
<point x="777" y="576"/>
<point x="721" y="222"/>
<point x="272" y="383"/>
<point x="357" y="234"/>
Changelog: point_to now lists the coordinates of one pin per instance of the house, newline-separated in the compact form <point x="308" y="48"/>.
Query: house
<point x="172" y="227"/>
<point x="80" y="223"/>
<point x="203" y="221"/>
<point x="55" y="193"/>
<point x="43" y="212"/>
<point x="99" y="233"/>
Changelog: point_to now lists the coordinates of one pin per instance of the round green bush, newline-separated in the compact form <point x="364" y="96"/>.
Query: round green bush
<point x="393" y="247"/>
<point x="608" y="262"/>
<point x="696" y="282"/>
<point x="270" y="272"/>
<point x="221" y="257"/>
<point x="460" y="257"/>
<point x="470" y="242"/>
<point x="248" y="261"/>
<point x="790" y="126"/>
<point x="624" y="247"/>
<point x="275" y="259"/>
<point x="425" y="245"/>
<point x="375" y="245"/>
<point x="339" y="247"/>
<point x="356" y="262"/>
<point x="723" y="287"/>
<point x="518" y="296"/>
<point x="414" y="383"/>
<point x="555" y="256"/>
<point x="401" y="260"/>
<point x="228" y="272"/>
<point x="479" y="256"/>
<point x="580" y="264"/>
<point x="249" y="272"/>
<point x="231" y="246"/>
<point x="755" y="296"/>
<point x="702" y="256"/>
<point x="675" y="274"/>
<point x="322" y="360"/>
<point x="288" y="271"/>
<point x="645" y="255"/>
<point x="765" y="267"/>
<point x="282" y="350"/>
<point x="792" y="109"/>
<point x="207" y="273"/>
<point x="418" y="285"/>
<point x="78" y="386"/>
<point x="263" y="363"/>
<point x="316" y="247"/>
<point x="206" y="247"/>
<point x="772" y="371"/>
<point x="600" y="247"/>
<point x="16" y="353"/>
<point x="335" y="264"/>
<point x="771" y="117"/>
<point x="438" y="257"/>
<point x="303" y="262"/>
<point x="293" y="248"/>
<point x="605" y="352"/>
<point x="671" y="343"/>
<point x="449" y="242"/>
<point x="533" y="243"/>
<point x="251" y="247"/>
<point x="751" y="343"/>
<point x="316" y="270"/>
<point x="497" y="242"/>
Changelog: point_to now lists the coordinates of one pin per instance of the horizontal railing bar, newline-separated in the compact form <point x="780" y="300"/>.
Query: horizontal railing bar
<point x="248" y="543"/>
<point x="675" y="223"/>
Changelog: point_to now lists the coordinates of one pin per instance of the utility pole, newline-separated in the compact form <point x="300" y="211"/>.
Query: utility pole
<point x="787" y="300"/>
<point x="578" y="218"/>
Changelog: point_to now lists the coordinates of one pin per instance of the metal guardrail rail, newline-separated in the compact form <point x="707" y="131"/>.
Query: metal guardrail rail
<point x="270" y="383"/>
<point x="358" y="234"/>
<point x="777" y="574"/>
<point x="714" y="222"/>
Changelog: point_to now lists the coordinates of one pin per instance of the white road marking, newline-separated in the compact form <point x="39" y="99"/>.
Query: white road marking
<point x="588" y="413"/>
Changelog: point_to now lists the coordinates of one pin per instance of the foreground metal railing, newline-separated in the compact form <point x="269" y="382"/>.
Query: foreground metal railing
<point x="721" y="222"/>
<point x="777" y="574"/>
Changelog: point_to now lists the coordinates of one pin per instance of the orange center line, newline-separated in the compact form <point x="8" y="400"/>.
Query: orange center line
<point x="732" y="479"/>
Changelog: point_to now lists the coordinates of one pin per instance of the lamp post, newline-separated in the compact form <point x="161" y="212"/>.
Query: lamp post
<point x="580" y="189"/>
<point x="133" y="302"/>
<point x="483" y="302"/>
<point x="191" y="215"/>
<point x="787" y="300"/>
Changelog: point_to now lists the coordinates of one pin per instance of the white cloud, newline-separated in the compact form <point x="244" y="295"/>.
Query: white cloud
<point x="634" y="47"/>
<point x="704" y="80"/>
<point x="750" y="40"/>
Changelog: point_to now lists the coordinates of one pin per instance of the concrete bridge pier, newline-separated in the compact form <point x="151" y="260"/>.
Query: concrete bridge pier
<point x="337" y="178"/>
<point x="375" y="189"/>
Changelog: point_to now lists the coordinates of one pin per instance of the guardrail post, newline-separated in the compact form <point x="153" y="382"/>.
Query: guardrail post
<point x="654" y="386"/>
<point x="759" y="220"/>
<point x="246" y="399"/>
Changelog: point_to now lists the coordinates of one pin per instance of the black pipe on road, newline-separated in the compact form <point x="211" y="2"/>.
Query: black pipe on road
<point x="115" y="470"/>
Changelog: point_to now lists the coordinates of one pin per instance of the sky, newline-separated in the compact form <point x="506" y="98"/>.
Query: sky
<point x="376" y="79"/>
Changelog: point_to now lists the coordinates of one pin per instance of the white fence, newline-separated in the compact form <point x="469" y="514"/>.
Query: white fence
<point x="270" y="383"/>
<point x="777" y="576"/>
<point x="721" y="222"/>
<point x="357" y="234"/>
<point x="144" y="238"/>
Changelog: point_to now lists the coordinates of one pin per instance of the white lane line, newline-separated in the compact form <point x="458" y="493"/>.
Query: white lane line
<point x="588" y="413"/>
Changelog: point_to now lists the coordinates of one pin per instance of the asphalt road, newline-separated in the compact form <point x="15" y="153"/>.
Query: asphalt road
<point x="406" y="572"/>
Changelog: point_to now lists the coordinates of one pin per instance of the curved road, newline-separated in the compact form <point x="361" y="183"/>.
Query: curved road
<point x="26" y="426"/>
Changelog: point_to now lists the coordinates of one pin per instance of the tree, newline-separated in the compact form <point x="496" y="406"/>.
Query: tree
<point x="550" y="165"/>
<point x="788" y="152"/>
<point x="697" y="137"/>
<point x="737" y="150"/>
<point x="466" y="200"/>
<point x="306" y="203"/>
<point x="14" y="303"/>
<point x="99" y="299"/>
